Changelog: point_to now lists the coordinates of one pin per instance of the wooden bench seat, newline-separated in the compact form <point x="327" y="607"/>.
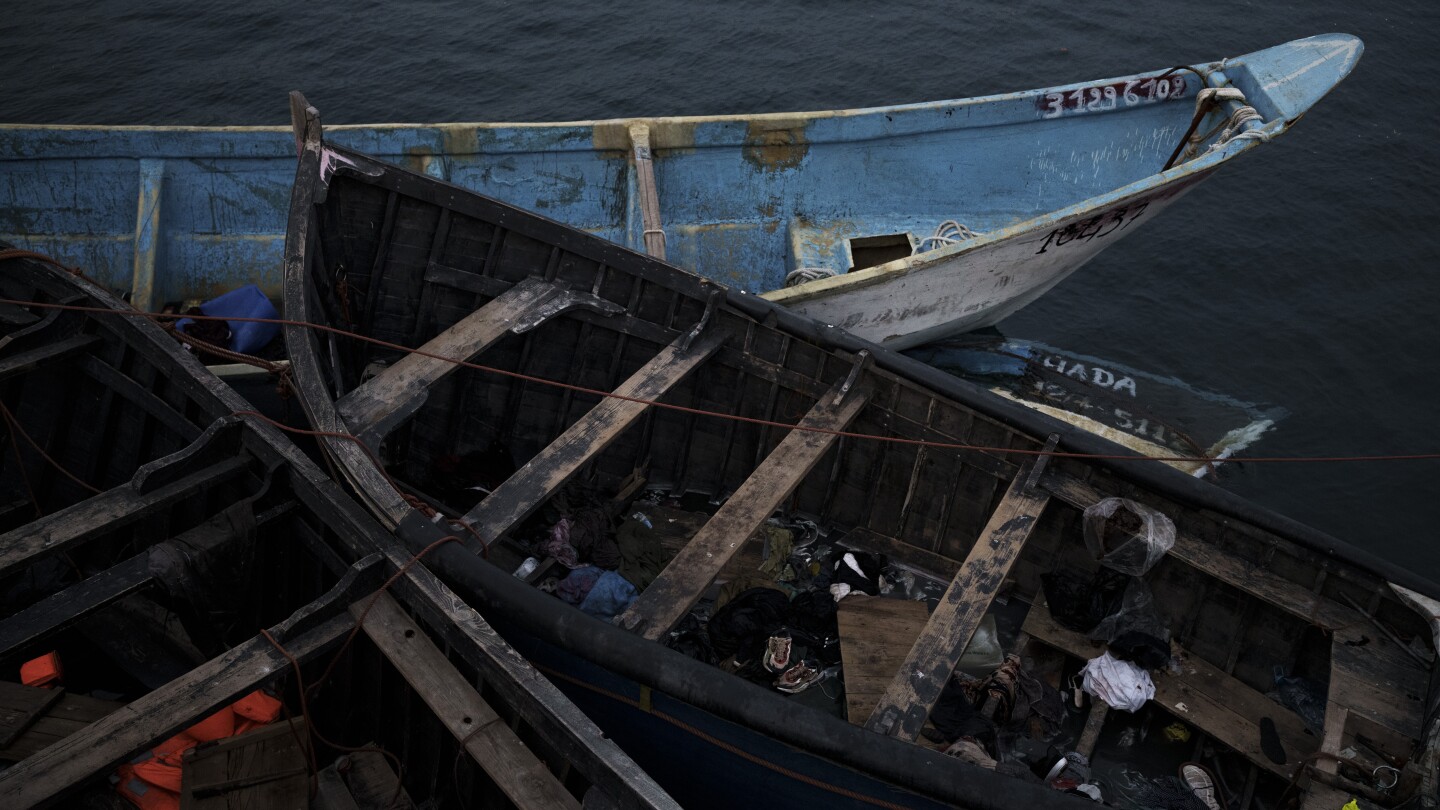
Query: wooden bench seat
<point x="1202" y="695"/>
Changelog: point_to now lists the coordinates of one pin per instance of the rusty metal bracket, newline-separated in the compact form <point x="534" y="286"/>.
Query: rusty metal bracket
<point x="1040" y="462"/>
<point x="862" y="361"/>
<point x="710" y="304"/>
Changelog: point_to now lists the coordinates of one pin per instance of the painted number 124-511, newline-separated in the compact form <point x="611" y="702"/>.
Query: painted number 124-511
<point x="1109" y="96"/>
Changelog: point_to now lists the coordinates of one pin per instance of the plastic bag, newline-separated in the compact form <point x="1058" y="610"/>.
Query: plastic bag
<point x="1136" y="619"/>
<point x="1126" y="536"/>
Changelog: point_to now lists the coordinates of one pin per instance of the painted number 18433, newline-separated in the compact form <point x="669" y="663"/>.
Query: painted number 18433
<point x="1095" y="98"/>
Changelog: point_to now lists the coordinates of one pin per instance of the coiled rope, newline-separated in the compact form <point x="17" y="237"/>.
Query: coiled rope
<point x="1232" y="128"/>
<point x="949" y="232"/>
<point x="807" y="274"/>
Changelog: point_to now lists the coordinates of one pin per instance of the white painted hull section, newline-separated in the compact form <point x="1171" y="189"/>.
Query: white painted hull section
<point x="917" y="301"/>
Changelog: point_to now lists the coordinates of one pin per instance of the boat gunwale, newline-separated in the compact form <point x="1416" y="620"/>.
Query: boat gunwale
<point x="656" y="121"/>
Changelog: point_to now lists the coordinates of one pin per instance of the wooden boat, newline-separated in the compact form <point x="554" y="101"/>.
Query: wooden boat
<point x="179" y="556"/>
<point x="589" y="362"/>
<point x="855" y="200"/>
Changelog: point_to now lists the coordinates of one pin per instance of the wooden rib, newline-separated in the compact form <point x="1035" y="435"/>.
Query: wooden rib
<point x="1252" y="578"/>
<point x="1219" y="705"/>
<point x="144" y="399"/>
<point x="524" y="779"/>
<point x="26" y="360"/>
<point x="111" y="740"/>
<point x="672" y="594"/>
<point x="388" y="398"/>
<point x="542" y="475"/>
<point x="59" y="531"/>
<point x="904" y="707"/>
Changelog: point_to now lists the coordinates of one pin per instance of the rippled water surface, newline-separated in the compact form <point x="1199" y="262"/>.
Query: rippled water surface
<point x="1302" y="276"/>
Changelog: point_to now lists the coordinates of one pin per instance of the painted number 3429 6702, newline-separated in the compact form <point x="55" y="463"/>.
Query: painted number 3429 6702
<point x="1099" y="97"/>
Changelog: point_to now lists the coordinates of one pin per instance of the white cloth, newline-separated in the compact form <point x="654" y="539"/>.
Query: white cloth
<point x="1121" y="684"/>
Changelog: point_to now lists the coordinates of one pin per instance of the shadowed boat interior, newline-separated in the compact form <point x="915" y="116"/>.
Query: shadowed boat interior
<point x="177" y="557"/>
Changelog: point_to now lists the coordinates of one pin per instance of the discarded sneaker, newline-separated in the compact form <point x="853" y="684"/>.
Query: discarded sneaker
<point x="777" y="653"/>
<point x="797" y="678"/>
<point x="1197" y="777"/>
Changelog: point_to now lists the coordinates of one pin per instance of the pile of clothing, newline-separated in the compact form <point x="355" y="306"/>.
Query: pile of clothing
<point x="611" y="558"/>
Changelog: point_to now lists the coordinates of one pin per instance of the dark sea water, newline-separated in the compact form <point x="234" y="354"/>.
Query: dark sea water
<point x="1302" y="276"/>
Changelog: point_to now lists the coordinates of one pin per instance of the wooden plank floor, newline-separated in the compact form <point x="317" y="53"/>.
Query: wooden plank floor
<point x="876" y="635"/>
<point x="260" y="768"/>
<point x="1377" y="682"/>
<point x="67" y="716"/>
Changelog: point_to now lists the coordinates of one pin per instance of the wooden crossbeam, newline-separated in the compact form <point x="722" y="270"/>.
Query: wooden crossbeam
<point x="904" y="707"/>
<point x="489" y="740"/>
<point x="542" y="475"/>
<point x="114" y="738"/>
<point x="387" y="399"/>
<point x="59" y="610"/>
<point x="681" y="584"/>
<point x="73" y="604"/>
<point x="1249" y="577"/>
<point x="79" y="522"/>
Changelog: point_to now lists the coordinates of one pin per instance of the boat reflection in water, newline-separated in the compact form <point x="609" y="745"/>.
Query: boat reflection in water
<point x="1146" y="412"/>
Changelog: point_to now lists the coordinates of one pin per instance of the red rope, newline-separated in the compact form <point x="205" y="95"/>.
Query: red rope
<point x="844" y="434"/>
<point x="15" y="427"/>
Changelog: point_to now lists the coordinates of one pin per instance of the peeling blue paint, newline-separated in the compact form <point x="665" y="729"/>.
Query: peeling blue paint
<point x="183" y="213"/>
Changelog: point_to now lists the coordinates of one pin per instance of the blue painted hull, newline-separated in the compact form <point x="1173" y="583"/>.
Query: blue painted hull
<point x="1046" y="178"/>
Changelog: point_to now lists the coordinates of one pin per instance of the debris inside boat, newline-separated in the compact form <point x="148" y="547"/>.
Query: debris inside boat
<point x="830" y="573"/>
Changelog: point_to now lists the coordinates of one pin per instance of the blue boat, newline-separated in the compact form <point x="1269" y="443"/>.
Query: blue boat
<point x="902" y="224"/>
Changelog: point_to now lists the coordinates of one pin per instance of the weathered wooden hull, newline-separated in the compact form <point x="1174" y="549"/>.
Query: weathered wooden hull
<point x="744" y="200"/>
<point x="187" y="528"/>
<point x="706" y="387"/>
